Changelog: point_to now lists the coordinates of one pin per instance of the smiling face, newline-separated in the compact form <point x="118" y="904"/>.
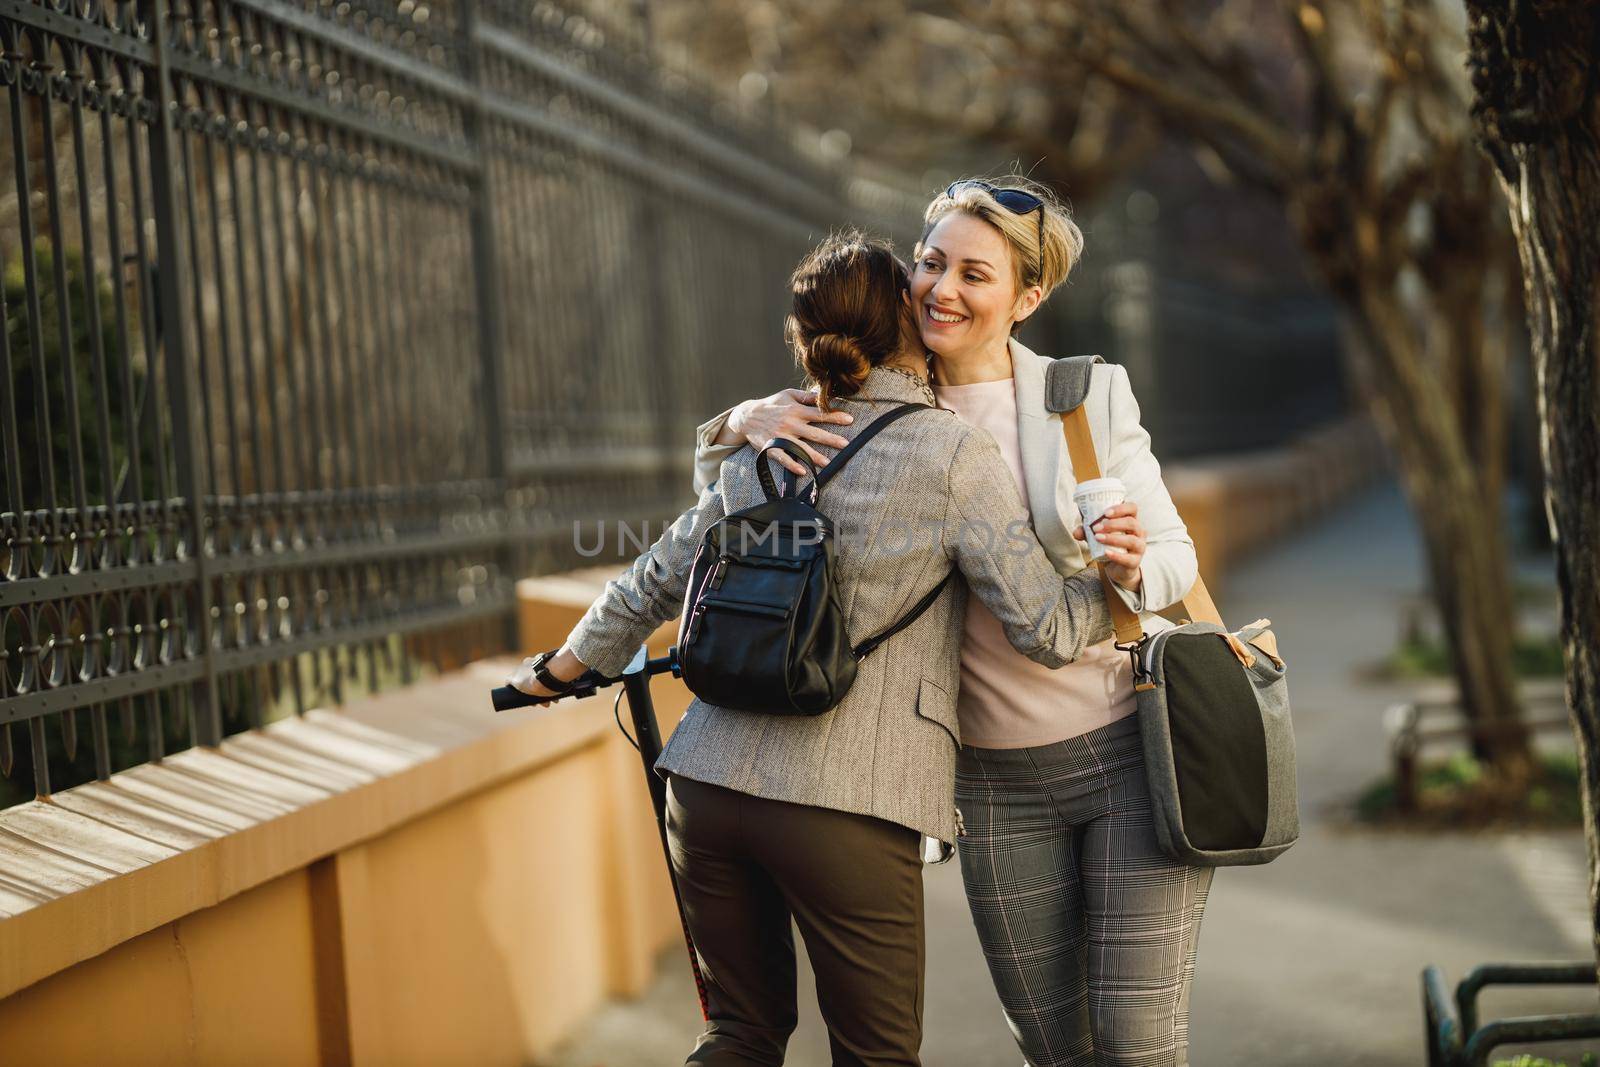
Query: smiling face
<point x="964" y="289"/>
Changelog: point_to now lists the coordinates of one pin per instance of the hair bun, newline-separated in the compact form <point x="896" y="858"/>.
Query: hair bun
<point x="838" y="360"/>
<point x="848" y="315"/>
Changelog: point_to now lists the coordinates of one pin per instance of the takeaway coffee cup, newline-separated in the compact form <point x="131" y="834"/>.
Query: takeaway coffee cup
<point x="1093" y="498"/>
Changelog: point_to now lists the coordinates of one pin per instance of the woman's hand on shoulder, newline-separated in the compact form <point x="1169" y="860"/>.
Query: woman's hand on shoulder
<point x="1123" y="536"/>
<point x="791" y="414"/>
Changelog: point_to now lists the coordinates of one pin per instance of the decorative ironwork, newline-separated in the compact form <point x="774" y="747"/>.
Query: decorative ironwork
<point x="317" y="314"/>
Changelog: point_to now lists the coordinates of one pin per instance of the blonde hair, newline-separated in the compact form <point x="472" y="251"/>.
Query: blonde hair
<point x="1046" y="266"/>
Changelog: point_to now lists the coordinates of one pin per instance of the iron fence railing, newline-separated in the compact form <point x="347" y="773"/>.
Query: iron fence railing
<point x="325" y="319"/>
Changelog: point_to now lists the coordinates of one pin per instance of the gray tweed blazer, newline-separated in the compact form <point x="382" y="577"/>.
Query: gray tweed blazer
<point x="928" y="494"/>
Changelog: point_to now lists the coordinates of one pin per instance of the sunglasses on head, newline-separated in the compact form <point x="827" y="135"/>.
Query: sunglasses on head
<point x="1016" y="201"/>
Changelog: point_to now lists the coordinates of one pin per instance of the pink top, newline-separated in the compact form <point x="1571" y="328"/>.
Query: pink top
<point x="1007" y="700"/>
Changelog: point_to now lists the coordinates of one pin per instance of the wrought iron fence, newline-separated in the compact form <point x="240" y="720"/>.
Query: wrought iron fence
<point x="325" y="319"/>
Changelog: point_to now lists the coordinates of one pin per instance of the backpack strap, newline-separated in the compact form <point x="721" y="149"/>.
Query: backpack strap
<point x="907" y="619"/>
<point x="860" y="440"/>
<point x="763" y="472"/>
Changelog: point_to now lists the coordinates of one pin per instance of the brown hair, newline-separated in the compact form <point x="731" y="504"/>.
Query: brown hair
<point x="847" y="312"/>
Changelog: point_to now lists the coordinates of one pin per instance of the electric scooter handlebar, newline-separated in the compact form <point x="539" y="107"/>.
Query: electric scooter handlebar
<point x="507" y="698"/>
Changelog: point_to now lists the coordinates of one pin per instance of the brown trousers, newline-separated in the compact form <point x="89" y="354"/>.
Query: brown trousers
<point x="851" y="883"/>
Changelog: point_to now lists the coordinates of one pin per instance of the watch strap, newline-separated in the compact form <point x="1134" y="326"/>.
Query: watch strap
<point x="545" y="678"/>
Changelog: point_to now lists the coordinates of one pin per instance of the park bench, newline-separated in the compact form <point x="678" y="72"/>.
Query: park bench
<point x="1434" y="716"/>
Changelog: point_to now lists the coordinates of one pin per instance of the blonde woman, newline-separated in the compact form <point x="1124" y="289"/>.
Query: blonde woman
<point x="1090" y="931"/>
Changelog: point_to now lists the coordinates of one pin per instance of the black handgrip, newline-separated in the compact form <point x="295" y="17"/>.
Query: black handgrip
<point x="507" y="697"/>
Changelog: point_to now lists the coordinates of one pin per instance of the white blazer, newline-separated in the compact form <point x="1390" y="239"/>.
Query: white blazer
<point x="1122" y="445"/>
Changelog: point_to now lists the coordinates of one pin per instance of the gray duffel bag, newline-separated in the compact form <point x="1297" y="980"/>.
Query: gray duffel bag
<point x="1213" y="705"/>
<point x="1218" y="745"/>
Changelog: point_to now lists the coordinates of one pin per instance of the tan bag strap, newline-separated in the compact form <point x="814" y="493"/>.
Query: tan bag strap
<point x="1197" y="603"/>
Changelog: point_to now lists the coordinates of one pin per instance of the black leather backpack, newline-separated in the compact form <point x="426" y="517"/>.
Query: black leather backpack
<point x="761" y="627"/>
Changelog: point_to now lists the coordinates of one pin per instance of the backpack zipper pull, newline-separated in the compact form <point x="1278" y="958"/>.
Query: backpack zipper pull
<point x="718" y="573"/>
<point x="694" y="624"/>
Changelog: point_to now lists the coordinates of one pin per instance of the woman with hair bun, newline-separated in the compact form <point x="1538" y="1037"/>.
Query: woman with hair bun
<point x="821" y="819"/>
<point x="1089" y="929"/>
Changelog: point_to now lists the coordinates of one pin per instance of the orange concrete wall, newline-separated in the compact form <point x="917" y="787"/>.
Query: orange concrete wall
<point x="471" y="936"/>
<point x="496" y="882"/>
<point x="1237" y="504"/>
<point x="228" y="984"/>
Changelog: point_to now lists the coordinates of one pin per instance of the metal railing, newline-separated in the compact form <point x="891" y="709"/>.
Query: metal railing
<point x="317" y="314"/>
<point x="1450" y="1023"/>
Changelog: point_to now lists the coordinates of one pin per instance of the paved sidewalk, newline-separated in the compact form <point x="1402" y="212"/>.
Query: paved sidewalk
<point x="1313" y="960"/>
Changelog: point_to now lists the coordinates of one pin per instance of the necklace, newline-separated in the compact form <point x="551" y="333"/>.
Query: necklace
<point x="920" y="381"/>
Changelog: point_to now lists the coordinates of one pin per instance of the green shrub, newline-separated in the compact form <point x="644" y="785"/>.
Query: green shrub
<point x="48" y="370"/>
<point x="1452" y="791"/>
<point x="1531" y="657"/>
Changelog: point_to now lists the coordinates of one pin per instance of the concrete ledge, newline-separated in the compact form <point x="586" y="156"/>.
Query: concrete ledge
<point x="413" y="877"/>
<point x="1234" y="504"/>
<point x="100" y="864"/>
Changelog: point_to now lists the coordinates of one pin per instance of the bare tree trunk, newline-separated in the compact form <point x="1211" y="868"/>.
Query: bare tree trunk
<point x="1538" y="112"/>
<point x="1467" y="561"/>
<point x="1425" y="371"/>
<point x="1440" y="446"/>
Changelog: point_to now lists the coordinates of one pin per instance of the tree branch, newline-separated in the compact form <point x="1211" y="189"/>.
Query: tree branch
<point x="1215" y="120"/>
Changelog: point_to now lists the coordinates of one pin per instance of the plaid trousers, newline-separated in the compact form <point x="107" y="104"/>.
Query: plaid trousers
<point x="1089" y="929"/>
